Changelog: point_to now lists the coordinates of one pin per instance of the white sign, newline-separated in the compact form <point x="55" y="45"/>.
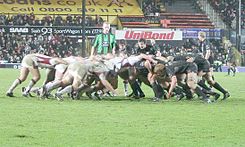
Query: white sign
<point x="18" y="30"/>
<point x="157" y="34"/>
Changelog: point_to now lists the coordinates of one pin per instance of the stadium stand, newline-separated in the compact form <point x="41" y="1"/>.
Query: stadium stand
<point x="226" y="9"/>
<point x="243" y="15"/>
<point x="151" y="7"/>
<point x="133" y="21"/>
<point x="184" y="14"/>
<point x="185" y="20"/>
<point x="13" y="47"/>
<point x="49" y="20"/>
<point x="161" y="14"/>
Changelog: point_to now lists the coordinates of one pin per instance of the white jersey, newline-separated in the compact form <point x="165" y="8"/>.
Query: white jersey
<point x="61" y="68"/>
<point x="117" y="61"/>
<point x="44" y="61"/>
<point x="121" y="62"/>
<point x="130" y="61"/>
<point x="39" y="60"/>
<point x="73" y="59"/>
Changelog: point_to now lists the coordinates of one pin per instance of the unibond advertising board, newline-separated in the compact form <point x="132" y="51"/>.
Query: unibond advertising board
<point x="157" y="34"/>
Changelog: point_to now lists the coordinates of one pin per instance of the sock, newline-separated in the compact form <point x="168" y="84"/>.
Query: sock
<point x="52" y="85"/>
<point x="203" y="85"/>
<point x="200" y="93"/>
<point x="137" y="86"/>
<point x="125" y="85"/>
<point x="160" y="90"/>
<point x="135" y="91"/>
<point x="234" y="71"/>
<point x="229" y="70"/>
<point x="30" y="85"/>
<point x="155" y="90"/>
<point x="14" y="85"/>
<point x="186" y="90"/>
<point x="67" y="89"/>
<point x="218" y="87"/>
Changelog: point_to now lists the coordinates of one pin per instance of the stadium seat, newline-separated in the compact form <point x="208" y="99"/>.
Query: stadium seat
<point x="185" y="20"/>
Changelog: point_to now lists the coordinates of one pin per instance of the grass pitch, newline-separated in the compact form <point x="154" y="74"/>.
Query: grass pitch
<point x="120" y="121"/>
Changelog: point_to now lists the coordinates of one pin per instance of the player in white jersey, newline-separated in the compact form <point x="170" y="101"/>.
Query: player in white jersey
<point x="30" y="63"/>
<point x="56" y="74"/>
<point x="61" y="71"/>
<point x="75" y="77"/>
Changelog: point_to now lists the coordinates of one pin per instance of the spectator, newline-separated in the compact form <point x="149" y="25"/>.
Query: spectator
<point x="227" y="10"/>
<point x="98" y="20"/>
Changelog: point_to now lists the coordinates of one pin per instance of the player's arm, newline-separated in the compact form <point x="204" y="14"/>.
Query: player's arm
<point x="147" y="57"/>
<point x="162" y="59"/>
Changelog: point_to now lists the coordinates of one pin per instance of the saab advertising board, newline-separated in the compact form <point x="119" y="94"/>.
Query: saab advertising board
<point x="71" y="31"/>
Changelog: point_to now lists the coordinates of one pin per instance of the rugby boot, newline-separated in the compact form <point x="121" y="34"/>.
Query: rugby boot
<point x="216" y="96"/>
<point x="156" y="99"/>
<point x="98" y="96"/>
<point x="226" y="95"/>
<point x="25" y="94"/>
<point x="207" y="101"/>
<point x="10" y="94"/>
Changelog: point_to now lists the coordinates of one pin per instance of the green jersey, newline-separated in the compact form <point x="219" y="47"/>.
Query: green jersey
<point x="104" y="43"/>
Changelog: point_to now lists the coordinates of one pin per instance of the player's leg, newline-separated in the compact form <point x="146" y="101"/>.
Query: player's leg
<point x="35" y="78"/>
<point x="23" y="75"/>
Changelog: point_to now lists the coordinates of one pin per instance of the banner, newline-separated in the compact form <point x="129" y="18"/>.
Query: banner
<point x="71" y="31"/>
<point x="193" y="33"/>
<point x="93" y="7"/>
<point x="157" y="34"/>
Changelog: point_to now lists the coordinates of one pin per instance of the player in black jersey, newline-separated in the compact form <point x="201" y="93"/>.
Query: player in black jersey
<point x="169" y="73"/>
<point x="204" y="71"/>
<point x="144" y="48"/>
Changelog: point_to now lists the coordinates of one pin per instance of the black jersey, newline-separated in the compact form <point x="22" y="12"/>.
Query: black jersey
<point x="203" y="46"/>
<point x="199" y="60"/>
<point x="180" y="67"/>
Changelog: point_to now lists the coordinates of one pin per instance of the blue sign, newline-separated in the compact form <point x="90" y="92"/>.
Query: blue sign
<point x="193" y="33"/>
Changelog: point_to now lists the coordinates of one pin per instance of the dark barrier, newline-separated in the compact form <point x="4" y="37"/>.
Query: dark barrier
<point x="10" y="65"/>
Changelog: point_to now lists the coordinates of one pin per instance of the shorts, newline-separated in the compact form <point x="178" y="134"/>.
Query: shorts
<point x="61" y="68"/>
<point x="204" y="66"/>
<point x="78" y="70"/>
<point x="28" y="62"/>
